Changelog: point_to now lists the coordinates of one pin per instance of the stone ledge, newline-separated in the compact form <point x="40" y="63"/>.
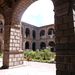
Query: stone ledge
<point x="15" y="52"/>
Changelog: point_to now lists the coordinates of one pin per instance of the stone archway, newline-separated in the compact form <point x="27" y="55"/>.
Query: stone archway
<point x="42" y="45"/>
<point x="42" y="33"/>
<point x="16" y="26"/>
<point x="64" y="27"/>
<point x="13" y="54"/>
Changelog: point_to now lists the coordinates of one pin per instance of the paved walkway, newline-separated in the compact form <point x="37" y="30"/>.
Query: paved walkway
<point x="31" y="68"/>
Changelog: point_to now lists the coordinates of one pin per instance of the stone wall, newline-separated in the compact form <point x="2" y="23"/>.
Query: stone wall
<point x="46" y="38"/>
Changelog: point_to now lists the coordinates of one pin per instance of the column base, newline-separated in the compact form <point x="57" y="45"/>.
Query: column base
<point x="15" y="58"/>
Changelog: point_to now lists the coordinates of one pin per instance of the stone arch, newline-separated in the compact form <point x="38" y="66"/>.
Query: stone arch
<point x="42" y="33"/>
<point x="19" y="10"/>
<point x="64" y="27"/>
<point x="42" y="45"/>
<point x="12" y="40"/>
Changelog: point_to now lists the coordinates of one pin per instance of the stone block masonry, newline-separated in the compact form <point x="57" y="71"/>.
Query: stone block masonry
<point x="15" y="53"/>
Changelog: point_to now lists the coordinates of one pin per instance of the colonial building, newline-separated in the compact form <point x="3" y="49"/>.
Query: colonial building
<point x="37" y="37"/>
<point x="33" y="37"/>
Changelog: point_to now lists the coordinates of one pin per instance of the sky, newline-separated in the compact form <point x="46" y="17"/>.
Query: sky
<point x="39" y="13"/>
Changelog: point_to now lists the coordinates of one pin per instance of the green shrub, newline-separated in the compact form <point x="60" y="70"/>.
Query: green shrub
<point x="41" y="56"/>
<point x="29" y="54"/>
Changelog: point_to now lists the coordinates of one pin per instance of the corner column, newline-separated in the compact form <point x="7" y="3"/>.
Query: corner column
<point x="65" y="42"/>
<point x="13" y="56"/>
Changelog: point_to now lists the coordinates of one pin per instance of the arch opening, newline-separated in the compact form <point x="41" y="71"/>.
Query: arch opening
<point x="34" y="34"/>
<point x="42" y="33"/>
<point x="16" y="20"/>
<point x="42" y="45"/>
<point x="27" y="32"/>
<point x="52" y="46"/>
<point x="34" y="46"/>
<point x="50" y="31"/>
<point x="61" y="17"/>
<point x="38" y="17"/>
<point x="27" y="45"/>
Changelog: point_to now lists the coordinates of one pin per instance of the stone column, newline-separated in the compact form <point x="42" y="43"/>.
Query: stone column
<point x="65" y="44"/>
<point x="16" y="53"/>
<point x="13" y="54"/>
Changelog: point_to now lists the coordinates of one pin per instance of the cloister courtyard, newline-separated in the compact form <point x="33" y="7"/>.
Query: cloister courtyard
<point x="11" y="12"/>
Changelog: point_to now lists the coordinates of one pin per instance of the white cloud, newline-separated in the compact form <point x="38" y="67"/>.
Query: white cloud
<point x="39" y="13"/>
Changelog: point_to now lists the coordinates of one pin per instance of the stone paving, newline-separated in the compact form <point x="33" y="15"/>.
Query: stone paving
<point x="31" y="68"/>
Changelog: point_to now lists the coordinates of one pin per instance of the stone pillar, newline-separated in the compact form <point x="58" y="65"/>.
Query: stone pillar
<point x="16" y="53"/>
<point x="65" y="44"/>
<point x="13" y="54"/>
